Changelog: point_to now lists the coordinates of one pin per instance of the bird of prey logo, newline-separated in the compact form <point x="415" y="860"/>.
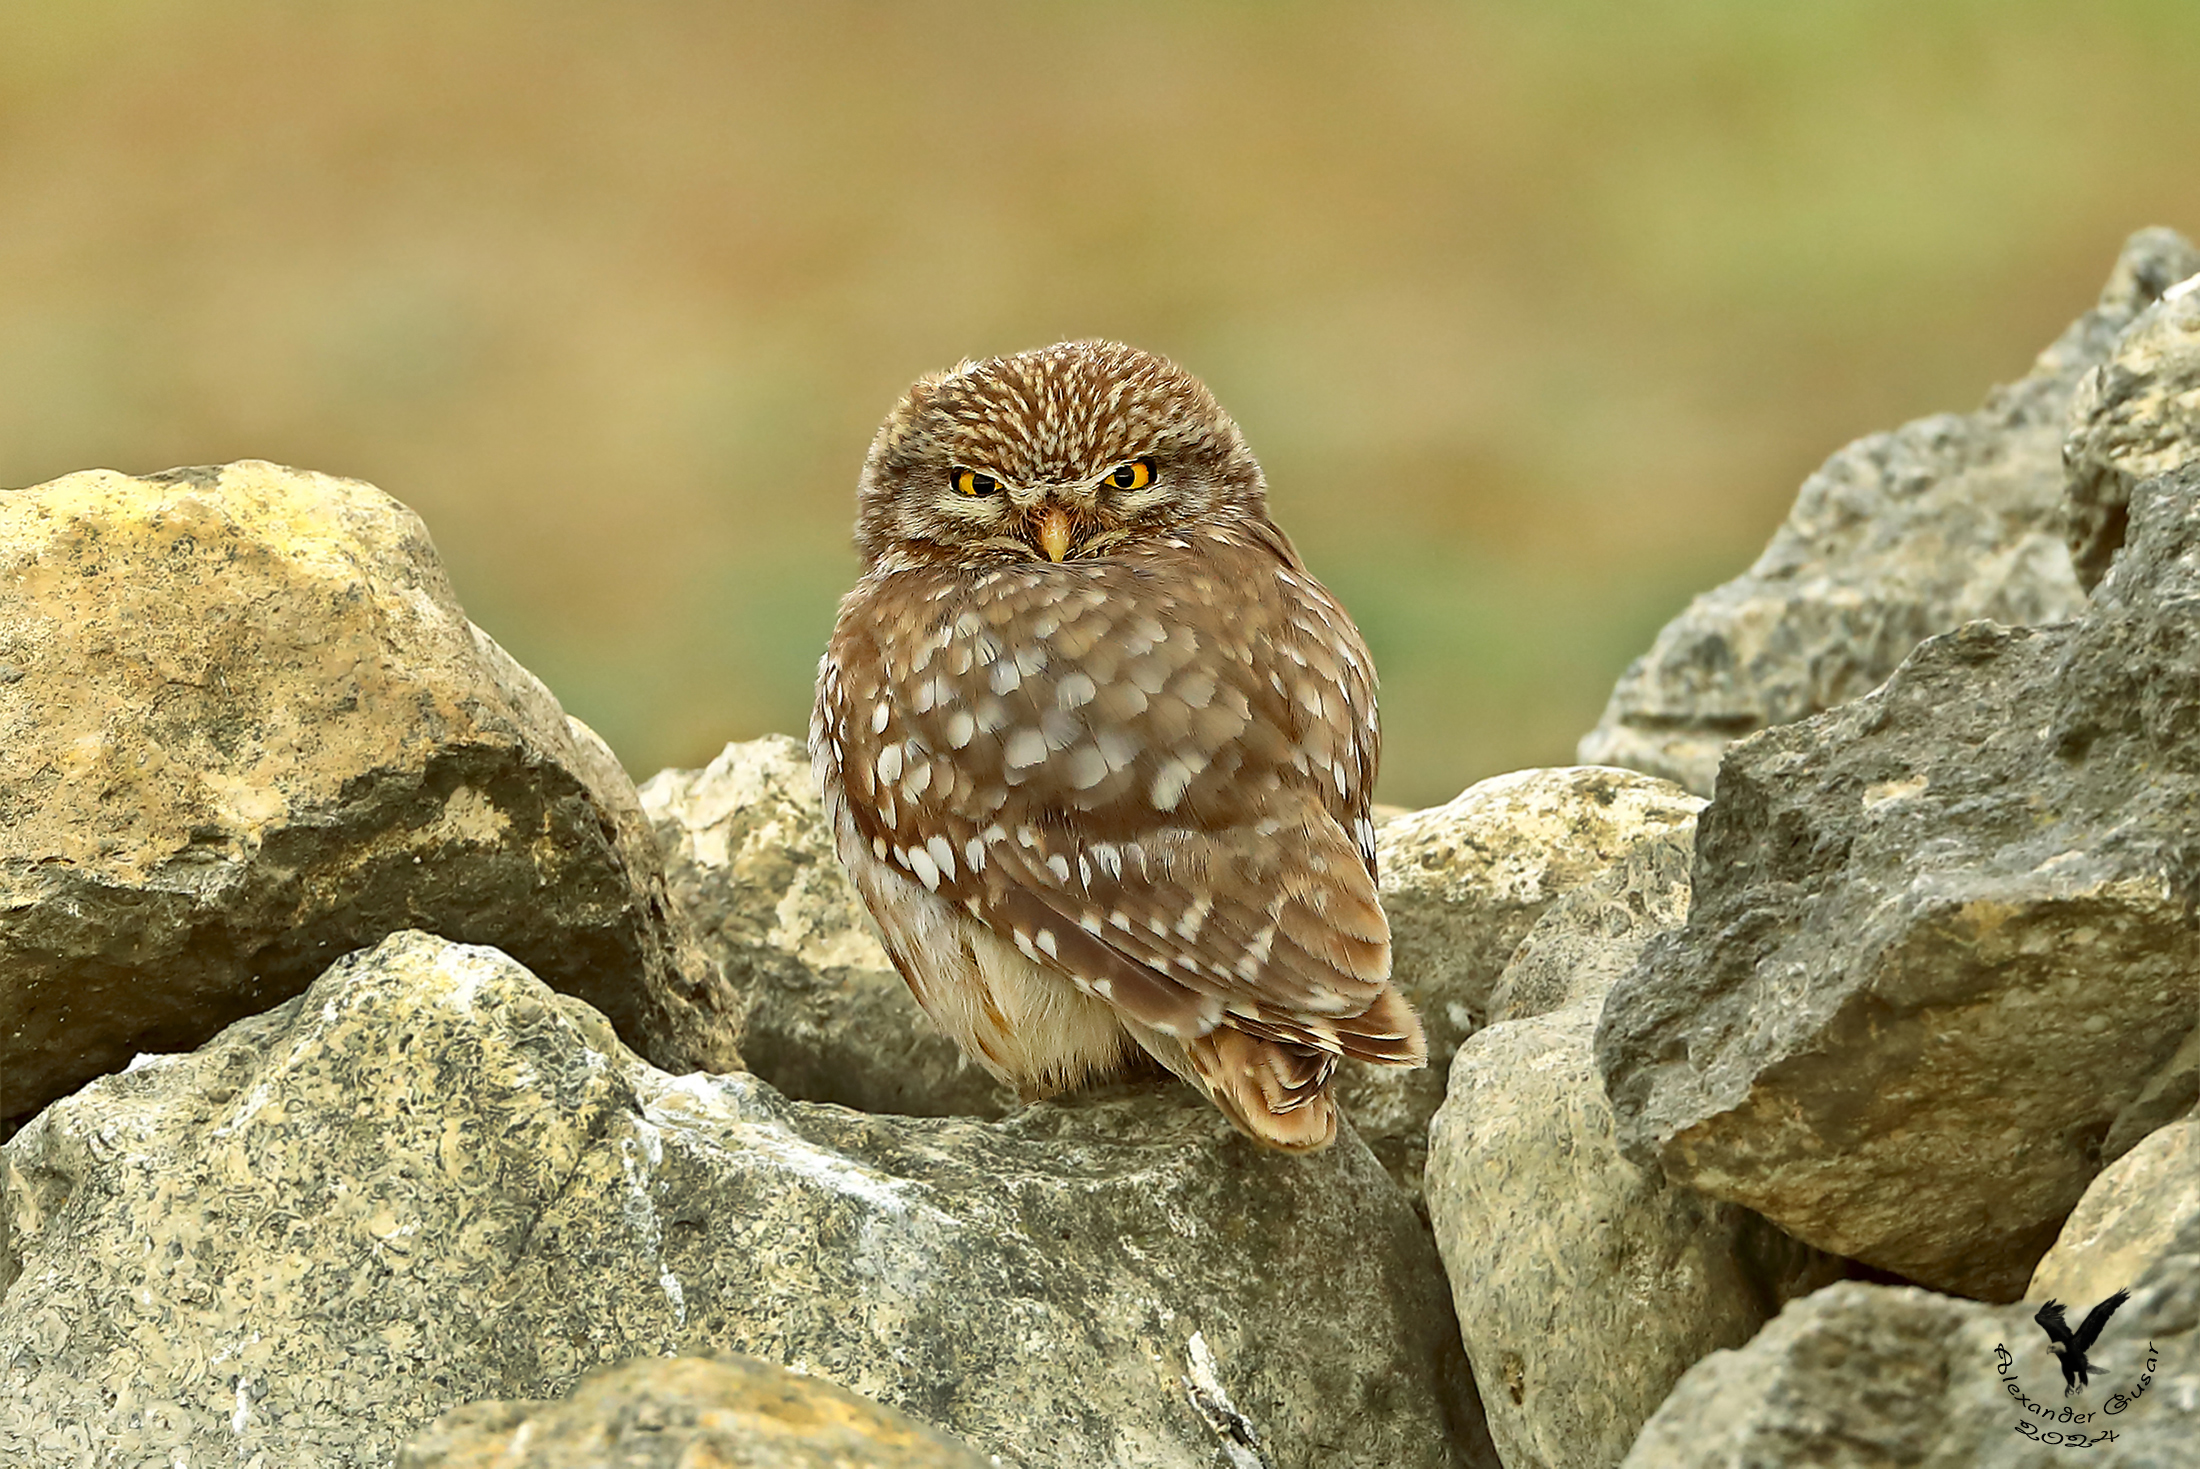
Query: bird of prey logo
<point x="2070" y="1346"/>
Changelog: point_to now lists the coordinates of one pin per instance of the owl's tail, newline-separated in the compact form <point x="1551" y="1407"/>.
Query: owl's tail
<point x="1275" y="1092"/>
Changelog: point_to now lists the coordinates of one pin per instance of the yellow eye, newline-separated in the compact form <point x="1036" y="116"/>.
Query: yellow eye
<point x="970" y="482"/>
<point x="1135" y="475"/>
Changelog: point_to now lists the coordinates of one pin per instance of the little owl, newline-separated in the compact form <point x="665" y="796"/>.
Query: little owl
<point x="1097" y="750"/>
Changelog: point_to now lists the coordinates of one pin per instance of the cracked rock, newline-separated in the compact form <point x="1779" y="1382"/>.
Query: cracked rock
<point x="1897" y="537"/>
<point x="1585" y="1285"/>
<point x="687" y="1413"/>
<point x="248" y="729"/>
<point x="430" y="1180"/>
<point x="1943" y="949"/>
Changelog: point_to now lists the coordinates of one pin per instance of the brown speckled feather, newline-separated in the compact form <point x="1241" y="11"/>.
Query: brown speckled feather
<point x="1148" y="768"/>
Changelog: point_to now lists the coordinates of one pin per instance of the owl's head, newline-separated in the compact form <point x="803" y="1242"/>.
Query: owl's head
<point x="1076" y="450"/>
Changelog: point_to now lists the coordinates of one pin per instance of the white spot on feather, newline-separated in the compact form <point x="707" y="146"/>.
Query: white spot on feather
<point x="1075" y="690"/>
<point x="943" y="854"/>
<point x="1168" y="786"/>
<point x="1025" y="748"/>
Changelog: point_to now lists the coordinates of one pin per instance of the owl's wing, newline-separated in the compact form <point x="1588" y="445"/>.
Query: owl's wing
<point x="1278" y="930"/>
<point x="1153" y="773"/>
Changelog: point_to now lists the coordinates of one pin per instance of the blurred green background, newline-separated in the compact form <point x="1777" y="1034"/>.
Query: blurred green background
<point x="1536" y="313"/>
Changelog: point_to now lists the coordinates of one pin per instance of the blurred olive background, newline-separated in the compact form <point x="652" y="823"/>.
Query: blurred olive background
<point x="1536" y="313"/>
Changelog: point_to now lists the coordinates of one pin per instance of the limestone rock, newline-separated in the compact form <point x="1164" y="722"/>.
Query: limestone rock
<point x="2128" y="1218"/>
<point x="1942" y="944"/>
<point x="2133" y="417"/>
<point x="1584" y="1286"/>
<point x="1592" y="935"/>
<point x="750" y="860"/>
<point x="429" y="1180"/>
<point x="245" y="728"/>
<point x="1871" y="1377"/>
<point x="2171" y="1092"/>
<point x="1462" y="884"/>
<point x="1897" y="537"/>
<point x="684" y="1413"/>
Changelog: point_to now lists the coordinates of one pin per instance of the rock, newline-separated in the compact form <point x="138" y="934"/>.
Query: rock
<point x="1897" y="537"/>
<point x="1869" y="1377"/>
<point x="2128" y="1218"/>
<point x="246" y="729"/>
<point x="2133" y="417"/>
<point x="2173" y="1091"/>
<point x="683" y="1413"/>
<point x="1942" y="944"/>
<point x="1462" y="884"/>
<point x="430" y="1180"/>
<point x="1589" y="937"/>
<point x="1584" y="1286"/>
<point x="1851" y="1376"/>
<point x="750" y="860"/>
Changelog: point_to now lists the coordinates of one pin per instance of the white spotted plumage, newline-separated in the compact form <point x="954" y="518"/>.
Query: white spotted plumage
<point x="1127" y="791"/>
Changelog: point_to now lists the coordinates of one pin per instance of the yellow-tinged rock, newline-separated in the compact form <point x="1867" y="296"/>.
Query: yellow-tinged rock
<point x="688" y="1413"/>
<point x="245" y="728"/>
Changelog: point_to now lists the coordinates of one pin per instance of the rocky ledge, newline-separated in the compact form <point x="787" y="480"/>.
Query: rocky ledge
<point x="394" y="1083"/>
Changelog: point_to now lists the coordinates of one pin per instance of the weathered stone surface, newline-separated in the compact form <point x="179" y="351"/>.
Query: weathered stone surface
<point x="1898" y="536"/>
<point x="2133" y="417"/>
<point x="2171" y="1092"/>
<point x="1942" y="941"/>
<point x="1872" y="1377"/>
<point x="1462" y="884"/>
<point x="245" y="728"/>
<point x="687" y="1413"/>
<point x="430" y="1180"/>
<point x="1590" y="936"/>
<point x="749" y="859"/>
<point x="2129" y="1217"/>
<point x="1585" y="1286"/>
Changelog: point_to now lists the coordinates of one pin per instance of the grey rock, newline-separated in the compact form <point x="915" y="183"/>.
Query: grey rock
<point x="750" y="861"/>
<point x="1584" y="1285"/>
<point x="1592" y="935"/>
<point x="719" y="1412"/>
<point x="251" y="731"/>
<point x="1897" y="537"/>
<point x="1942" y="944"/>
<point x="2129" y="1217"/>
<point x="2170" y="1092"/>
<point x="2133" y="417"/>
<point x="1873" y="1377"/>
<point x="1462" y="884"/>
<point x="430" y="1180"/>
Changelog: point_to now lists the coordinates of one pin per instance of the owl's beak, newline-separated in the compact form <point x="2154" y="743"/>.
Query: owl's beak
<point x="1054" y="533"/>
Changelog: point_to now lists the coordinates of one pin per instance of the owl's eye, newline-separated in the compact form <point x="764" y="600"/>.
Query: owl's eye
<point x="970" y="482"/>
<point x="1135" y="475"/>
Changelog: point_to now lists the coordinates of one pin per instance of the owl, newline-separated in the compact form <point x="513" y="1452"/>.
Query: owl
<point x="1097" y="751"/>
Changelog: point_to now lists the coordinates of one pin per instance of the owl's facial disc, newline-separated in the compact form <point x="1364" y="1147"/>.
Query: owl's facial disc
<point x="1078" y="450"/>
<point x="1056" y="521"/>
